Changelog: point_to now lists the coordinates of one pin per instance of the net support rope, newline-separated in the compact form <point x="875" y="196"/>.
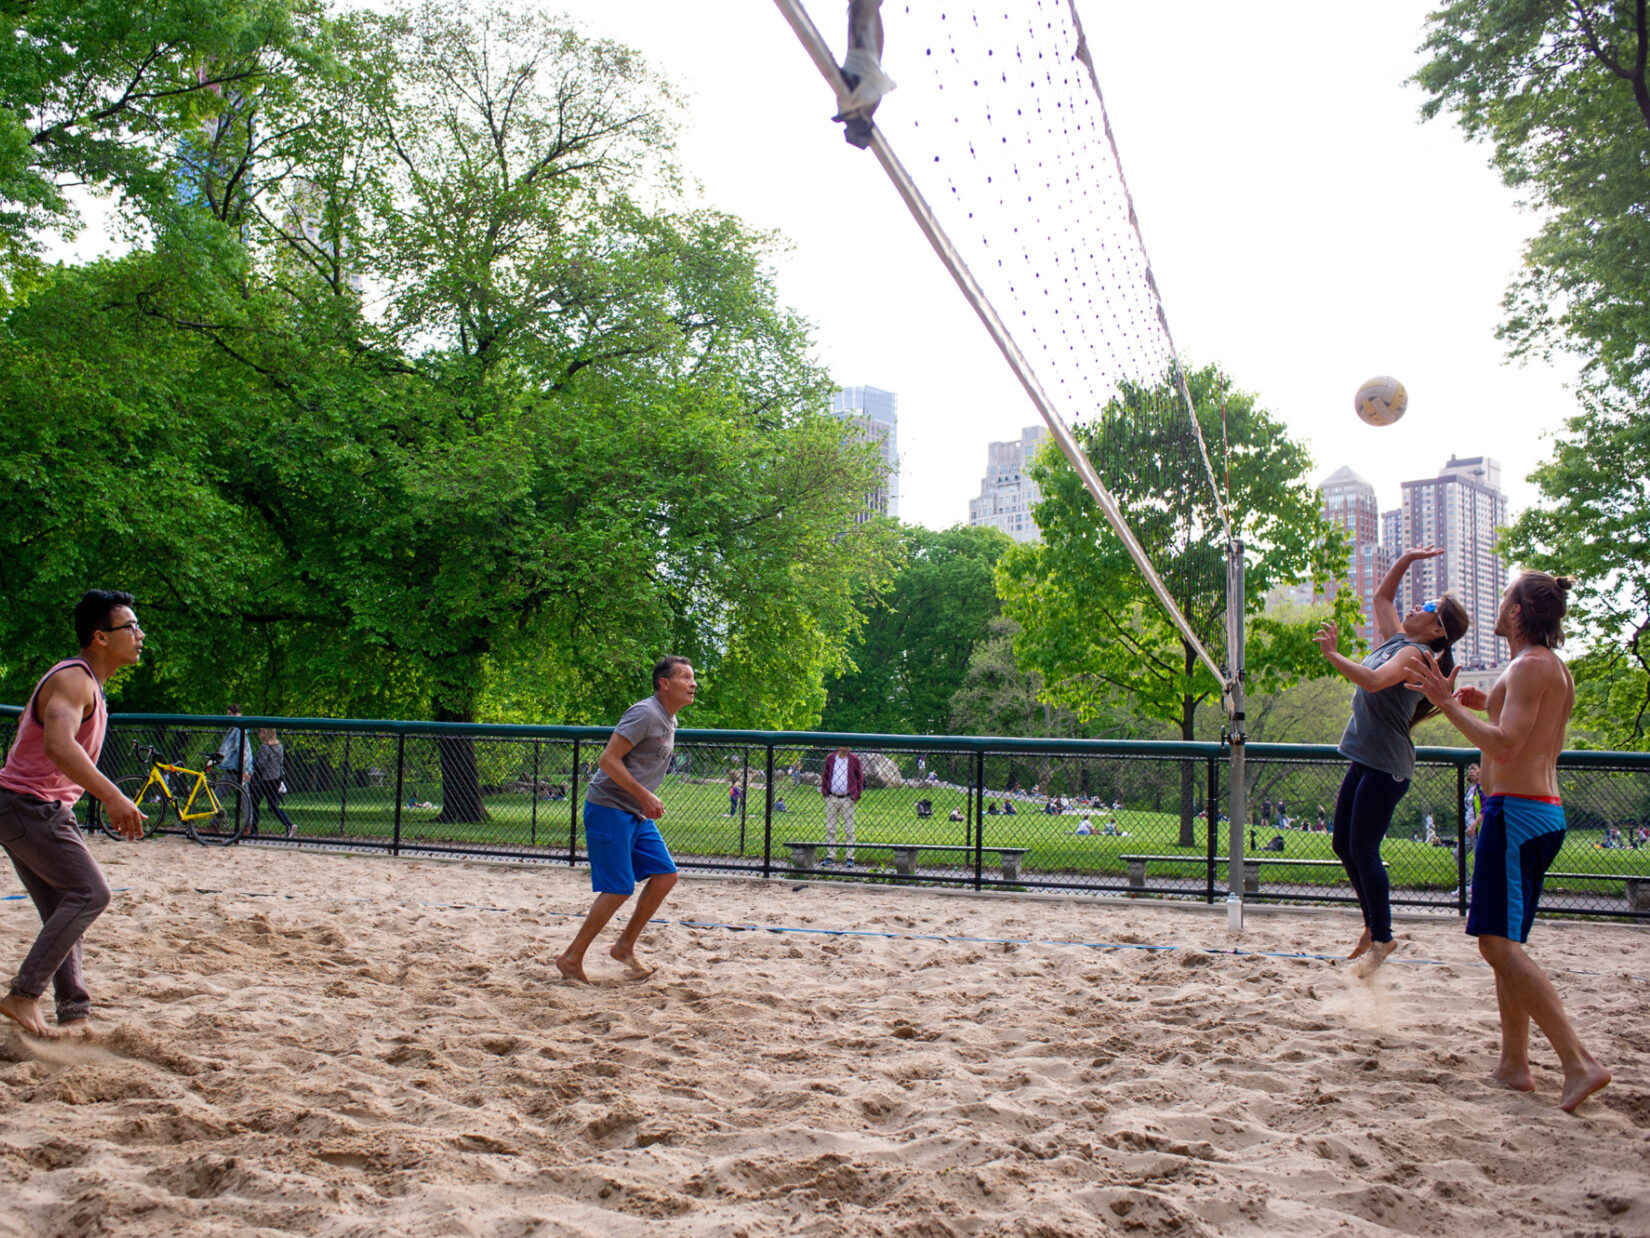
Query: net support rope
<point x="808" y="34"/>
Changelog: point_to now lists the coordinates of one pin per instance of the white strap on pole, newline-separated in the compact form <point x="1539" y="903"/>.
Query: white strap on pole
<point x="816" y="47"/>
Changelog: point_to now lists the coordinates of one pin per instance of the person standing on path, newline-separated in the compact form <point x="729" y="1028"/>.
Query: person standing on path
<point x="268" y="769"/>
<point x="621" y="809"/>
<point x="1377" y="739"/>
<point x="235" y="758"/>
<point x="841" y="783"/>
<point x="1521" y="829"/>
<point x="52" y="763"/>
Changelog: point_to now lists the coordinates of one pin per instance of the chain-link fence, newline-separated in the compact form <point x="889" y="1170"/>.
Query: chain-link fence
<point x="1071" y="816"/>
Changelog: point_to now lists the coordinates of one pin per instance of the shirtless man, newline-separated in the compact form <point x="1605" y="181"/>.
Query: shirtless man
<point x="621" y="809"/>
<point x="1522" y="828"/>
<point x="52" y="762"/>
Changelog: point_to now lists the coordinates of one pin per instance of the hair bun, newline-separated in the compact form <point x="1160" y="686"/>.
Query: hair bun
<point x="1566" y="583"/>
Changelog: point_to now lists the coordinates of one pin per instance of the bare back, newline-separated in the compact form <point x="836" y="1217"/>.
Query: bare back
<point x="1533" y="698"/>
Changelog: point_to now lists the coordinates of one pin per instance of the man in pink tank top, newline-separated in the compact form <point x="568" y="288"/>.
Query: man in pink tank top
<point x="52" y="763"/>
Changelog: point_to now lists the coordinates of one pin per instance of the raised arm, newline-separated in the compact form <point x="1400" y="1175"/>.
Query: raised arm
<point x="1395" y="670"/>
<point x="1387" y="619"/>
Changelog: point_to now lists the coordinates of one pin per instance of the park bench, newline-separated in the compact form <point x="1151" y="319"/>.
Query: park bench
<point x="1637" y="887"/>
<point x="805" y="855"/>
<point x="1251" y="867"/>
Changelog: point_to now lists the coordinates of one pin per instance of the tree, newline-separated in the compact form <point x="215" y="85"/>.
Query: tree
<point x="572" y="436"/>
<point x="99" y="93"/>
<point x="1595" y="524"/>
<point x="1090" y="625"/>
<point x="919" y="638"/>
<point x="1559" y="88"/>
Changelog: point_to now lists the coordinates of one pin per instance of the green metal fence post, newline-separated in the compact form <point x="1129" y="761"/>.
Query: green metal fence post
<point x="573" y="809"/>
<point x="400" y="778"/>
<point x="534" y="826"/>
<point x="1461" y="839"/>
<point x="744" y="797"/>
<point x="767" y="815"/>
<point x="978" y="812"/>
<point x="1211" y="822"/>
<point x="343" y="800"/>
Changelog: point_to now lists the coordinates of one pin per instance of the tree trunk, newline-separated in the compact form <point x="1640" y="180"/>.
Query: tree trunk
<point x="1188" y="771"/>
<point x="460" y="780"/>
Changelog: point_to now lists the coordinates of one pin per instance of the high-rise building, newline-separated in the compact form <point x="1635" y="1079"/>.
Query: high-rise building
<point x="1007" y="495"/>
<point x="876" y="413"/>
<point x="1349" y="501"/>
<point x="1460" y="511"/>
<point x="1392" y="545"/>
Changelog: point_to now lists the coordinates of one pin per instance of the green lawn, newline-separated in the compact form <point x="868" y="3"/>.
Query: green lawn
<point x="696" y="824"/>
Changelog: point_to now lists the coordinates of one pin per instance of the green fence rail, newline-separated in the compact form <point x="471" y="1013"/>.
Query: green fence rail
<point x="1073" y="816"/>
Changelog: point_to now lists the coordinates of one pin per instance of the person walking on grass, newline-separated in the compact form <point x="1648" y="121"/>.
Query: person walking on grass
<point x="841" y="783"/>
<point x="1377" y="739"/>
<point x="268" y="769"/>
<point x="52" y="763"/>
<point x="621" y="811"/>
<point x="1521" y="828"/>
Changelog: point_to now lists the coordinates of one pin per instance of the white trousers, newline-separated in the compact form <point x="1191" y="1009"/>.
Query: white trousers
<point x="839" y="806"/>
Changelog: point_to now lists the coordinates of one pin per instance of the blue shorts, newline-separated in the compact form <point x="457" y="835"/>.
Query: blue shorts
<point x="624" y="849"/>
<point x="1518" y="840"/>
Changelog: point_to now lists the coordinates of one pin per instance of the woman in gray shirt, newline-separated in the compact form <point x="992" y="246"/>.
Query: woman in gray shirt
<point x="1377" y="739"/>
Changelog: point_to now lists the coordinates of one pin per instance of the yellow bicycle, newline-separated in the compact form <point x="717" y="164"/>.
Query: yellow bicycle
<point x="210" y="808"/>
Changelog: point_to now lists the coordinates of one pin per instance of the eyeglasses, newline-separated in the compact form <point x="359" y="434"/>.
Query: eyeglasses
<point x="1431" y="608"/>
<point x="121" y="627"/>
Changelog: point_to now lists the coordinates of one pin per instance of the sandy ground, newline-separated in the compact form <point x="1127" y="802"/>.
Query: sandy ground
<point x="314" y="1044"/>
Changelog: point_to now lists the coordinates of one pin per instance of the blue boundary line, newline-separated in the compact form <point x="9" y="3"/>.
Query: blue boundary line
<point x="940" y="937"/>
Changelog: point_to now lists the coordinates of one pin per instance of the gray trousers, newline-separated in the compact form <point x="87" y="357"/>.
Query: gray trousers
<point x="55" y="866"/>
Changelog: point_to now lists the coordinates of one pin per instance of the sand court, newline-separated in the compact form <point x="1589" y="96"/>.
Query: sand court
<point x="298" y="1043"/>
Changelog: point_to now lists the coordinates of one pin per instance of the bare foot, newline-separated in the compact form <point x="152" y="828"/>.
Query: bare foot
<point x="25" y="1012"/>
<point x="75" y="1027"/>
<point x="1580" y="1086"/>
<point x="1363" y="945"/>
<point x="1513" y="1076"/>
<point x="572" y="968"/>
<point x="1379" y="952"/>
<point x="634" y="968"/>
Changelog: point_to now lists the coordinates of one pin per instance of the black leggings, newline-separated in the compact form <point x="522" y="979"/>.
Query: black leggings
<point x="269" y="789"/>
<point x="1363" y="814"/>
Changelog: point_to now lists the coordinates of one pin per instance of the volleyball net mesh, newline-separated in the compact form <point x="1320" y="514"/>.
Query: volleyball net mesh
<point x="999" y="123"/>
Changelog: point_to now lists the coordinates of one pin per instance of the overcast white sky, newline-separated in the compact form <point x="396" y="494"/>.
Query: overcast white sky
<point x="1306" y="230"/>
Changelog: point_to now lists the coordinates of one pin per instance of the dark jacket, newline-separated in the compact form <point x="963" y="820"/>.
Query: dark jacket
<point x="856" y="777"/>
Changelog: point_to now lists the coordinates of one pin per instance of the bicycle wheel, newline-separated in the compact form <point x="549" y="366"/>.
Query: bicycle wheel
<point x="222" y="826"/>
<point x="153" y="806"/>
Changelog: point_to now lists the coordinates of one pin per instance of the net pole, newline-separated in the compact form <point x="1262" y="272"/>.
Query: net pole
<point x="1238" y="796"/>
<point x="808" y="34"/>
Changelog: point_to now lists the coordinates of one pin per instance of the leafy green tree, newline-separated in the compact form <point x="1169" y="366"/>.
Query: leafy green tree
<point x="571" y="435"/>
<point x="1595" y="524"/>
<point x="100" y="93"/>
<point x="919" y="638"/>
<point x="1090" y="625"/>
<point x="1559" y="89"/>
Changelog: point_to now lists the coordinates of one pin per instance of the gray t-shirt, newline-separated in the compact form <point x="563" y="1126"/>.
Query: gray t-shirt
<point x="1378" y="734"/>
<point x="652" y="735"/>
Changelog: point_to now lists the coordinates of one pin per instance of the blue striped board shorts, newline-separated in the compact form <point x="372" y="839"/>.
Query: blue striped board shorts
<point x="1518" y="840"/>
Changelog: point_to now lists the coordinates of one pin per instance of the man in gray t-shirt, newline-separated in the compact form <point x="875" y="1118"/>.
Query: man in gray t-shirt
<point x="621" y="808"/>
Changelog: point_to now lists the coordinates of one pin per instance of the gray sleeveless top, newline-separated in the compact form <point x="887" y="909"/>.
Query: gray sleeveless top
<point x="1378" y="735"/>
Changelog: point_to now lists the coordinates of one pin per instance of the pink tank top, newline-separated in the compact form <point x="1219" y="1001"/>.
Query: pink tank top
<point x="28" y="770"/>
